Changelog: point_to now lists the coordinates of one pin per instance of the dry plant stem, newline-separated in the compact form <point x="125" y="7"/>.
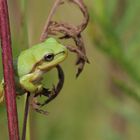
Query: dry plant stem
<point x="10" y="94"/>
<point x="56" y="90"/>
<point x="44" y="34"/>
<point x="50" y="94"/>
<point x="69" y="31"/>
<point x="25" y="116"/>
<point x="83" y="9"/>
<point x="80" y="27"/>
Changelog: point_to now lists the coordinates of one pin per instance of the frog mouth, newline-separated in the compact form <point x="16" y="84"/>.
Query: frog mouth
<point x="60" y="53"/>
<point x="59" y="57"/>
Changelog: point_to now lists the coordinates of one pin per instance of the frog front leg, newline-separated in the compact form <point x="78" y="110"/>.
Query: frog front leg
<point x="30" y="82"/>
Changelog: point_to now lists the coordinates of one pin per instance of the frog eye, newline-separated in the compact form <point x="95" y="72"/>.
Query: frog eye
<point x="49" y="57"/>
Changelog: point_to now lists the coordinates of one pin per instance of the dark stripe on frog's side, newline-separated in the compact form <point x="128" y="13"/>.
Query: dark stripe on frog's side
<point x="41" y="61"/>
<point x="37" y="64"/>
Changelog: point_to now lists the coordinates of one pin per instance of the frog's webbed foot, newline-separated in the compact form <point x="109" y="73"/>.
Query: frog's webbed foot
<point x="1" y="96"/>
<point x="45" y="92"/>
<point x="53" y="93"/>
<point x="50" y="94"/>
<point x="36" y="106"/>
<point x="39" y="88"/>
<point x="2" y="91"/>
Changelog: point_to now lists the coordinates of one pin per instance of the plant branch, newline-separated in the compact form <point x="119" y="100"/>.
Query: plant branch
<point x="10" y="94"/>
<point x="44" y="34"/>
<point x="69" y="31"/>
<point x="26" y="111"/>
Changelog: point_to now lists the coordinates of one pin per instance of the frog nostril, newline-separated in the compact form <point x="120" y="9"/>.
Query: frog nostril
<point x="63" y="52"/>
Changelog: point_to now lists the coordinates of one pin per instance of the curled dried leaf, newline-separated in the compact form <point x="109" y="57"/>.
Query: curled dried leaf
<point x="69" y="31"/>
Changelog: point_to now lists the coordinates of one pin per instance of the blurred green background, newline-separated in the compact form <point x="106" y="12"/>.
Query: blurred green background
<point x="103" y="103"/>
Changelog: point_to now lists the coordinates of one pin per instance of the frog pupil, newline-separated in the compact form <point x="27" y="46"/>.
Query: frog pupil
<point x="49" y="57"/>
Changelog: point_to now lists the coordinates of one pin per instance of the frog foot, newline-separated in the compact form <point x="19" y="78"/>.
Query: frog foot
<point x="1" y="93"/>
<point x="36" y="107"/>
<point x="39" y="89"/>
<point x="1" y="98"/>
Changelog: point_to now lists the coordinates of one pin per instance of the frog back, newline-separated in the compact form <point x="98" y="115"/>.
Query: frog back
<point x="30" y="57"/>
<point x="25" y="63"/>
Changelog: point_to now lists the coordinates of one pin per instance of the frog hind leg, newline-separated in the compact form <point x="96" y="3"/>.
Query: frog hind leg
<point x="1" y="91"/>
<point x="28" y="85"/>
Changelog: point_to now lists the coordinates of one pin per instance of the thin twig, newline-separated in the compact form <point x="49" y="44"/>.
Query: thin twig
<point x="50" y="94"/>
<point x="55" y="91"/>
<point x="26" y="111"/>
<point x="69" y="31"/>
<point x="10" y="94"/>
<point x="44" y="34"/>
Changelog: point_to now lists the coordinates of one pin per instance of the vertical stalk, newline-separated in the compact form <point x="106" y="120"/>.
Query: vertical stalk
<point x="10" y="95"/>
<point x="28" y="133"/>
<point x="26" y="122"/>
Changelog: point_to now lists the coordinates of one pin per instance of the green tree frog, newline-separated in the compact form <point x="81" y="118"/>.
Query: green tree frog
<point x="34" y="62"/>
